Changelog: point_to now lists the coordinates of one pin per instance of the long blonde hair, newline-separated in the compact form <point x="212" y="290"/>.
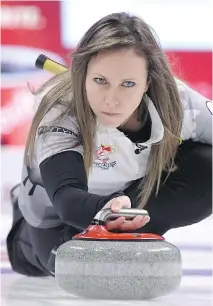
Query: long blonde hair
<point x="119" y="30"/>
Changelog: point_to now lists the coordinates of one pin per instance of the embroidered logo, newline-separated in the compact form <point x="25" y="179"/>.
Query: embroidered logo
<point x="140" y="147"/>
<point x="103" y="157"/>
<point x="55" y="129"/>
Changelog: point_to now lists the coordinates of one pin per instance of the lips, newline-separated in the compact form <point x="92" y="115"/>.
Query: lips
<point x="110" y="114"/>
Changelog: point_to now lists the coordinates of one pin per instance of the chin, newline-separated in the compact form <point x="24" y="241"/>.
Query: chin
<point x="109" y="123"/>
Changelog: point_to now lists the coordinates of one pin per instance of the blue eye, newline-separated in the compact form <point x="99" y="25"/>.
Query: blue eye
<point x="128" y="84"/>
<point x="100" y="80"/>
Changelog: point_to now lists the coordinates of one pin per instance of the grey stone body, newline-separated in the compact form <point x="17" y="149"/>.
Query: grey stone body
<point x="118" y="269"/>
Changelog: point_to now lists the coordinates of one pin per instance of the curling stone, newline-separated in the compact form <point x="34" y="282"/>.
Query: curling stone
<point x="100" y="264"/>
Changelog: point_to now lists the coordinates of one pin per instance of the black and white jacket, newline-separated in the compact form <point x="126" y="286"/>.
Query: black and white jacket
<point x="56" y="189"/>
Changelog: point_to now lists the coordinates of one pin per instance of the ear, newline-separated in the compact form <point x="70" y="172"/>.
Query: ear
<point x="147" y="83"/>
<point x="147" y="86"/>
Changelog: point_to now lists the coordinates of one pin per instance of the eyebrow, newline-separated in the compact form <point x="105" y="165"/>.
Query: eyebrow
<point x="126" y="79"/>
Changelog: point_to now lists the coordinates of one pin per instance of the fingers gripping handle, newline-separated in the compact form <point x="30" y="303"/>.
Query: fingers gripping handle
<point x="107" y="214"/>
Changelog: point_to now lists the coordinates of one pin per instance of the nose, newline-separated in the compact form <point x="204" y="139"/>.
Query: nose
<point x="111" y="98"/>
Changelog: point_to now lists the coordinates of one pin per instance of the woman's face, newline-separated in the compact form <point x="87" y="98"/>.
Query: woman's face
<point x="115" y="84"/>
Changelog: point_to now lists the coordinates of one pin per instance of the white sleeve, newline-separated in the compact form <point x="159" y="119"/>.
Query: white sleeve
<point x="53" y="138"/>
<point x="197" y="121"/>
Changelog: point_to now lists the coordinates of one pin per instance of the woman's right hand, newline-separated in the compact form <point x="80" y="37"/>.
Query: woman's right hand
<point x="121" y="223"/>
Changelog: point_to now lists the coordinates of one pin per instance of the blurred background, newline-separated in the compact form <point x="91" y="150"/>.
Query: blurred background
<point x="53" y="28"/>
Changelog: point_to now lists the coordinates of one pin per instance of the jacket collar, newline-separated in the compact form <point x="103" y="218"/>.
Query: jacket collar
<point x="157" y="129"/>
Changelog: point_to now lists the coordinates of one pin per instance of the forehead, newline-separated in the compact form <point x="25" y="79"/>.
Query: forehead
<point x="122" y="63"/>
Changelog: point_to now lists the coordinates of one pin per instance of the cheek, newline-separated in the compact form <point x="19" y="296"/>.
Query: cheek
<point x="131" y="98"/>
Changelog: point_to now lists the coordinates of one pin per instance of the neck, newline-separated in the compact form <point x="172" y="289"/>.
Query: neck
<point x="132" y="124"/>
